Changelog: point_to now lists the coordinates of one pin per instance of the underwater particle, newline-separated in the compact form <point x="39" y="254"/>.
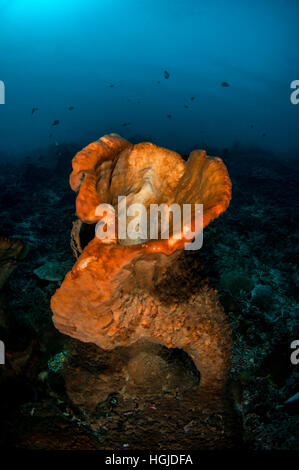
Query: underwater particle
<point x="225" y="84"/>
<point x="166" y="74"/>
<point x="186" y="106"/>
<point x="169" y="116"/>
<point x="70" y="108"/>
<point x="57" y="361"/>
<point x="111" y="86"/>
<point x="34" y="110"/>
<point x="55" y="123"/>
<point x="192" y="98"/>
<point x="251" y="127"/>
<point x="264" y="134"/>
<point x="43" y="376"/>
<point x="129" y="100"/>
<point x="158" y="82"/>
<point x="129" y="123"/>
<point x="50" y="135"/>
<point x="124" y="124"/>
<point x="112" y="400"/>
<point x="188" y="426"/>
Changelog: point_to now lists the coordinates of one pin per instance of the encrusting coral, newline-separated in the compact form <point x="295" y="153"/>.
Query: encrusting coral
<point x="110" y="297"/>
<point x="12" y="251"/>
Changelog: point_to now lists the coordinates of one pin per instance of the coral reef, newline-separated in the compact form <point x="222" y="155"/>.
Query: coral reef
<point x="43" y="408"/>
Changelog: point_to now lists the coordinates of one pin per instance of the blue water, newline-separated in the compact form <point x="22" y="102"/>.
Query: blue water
<point x="60" y="53"/>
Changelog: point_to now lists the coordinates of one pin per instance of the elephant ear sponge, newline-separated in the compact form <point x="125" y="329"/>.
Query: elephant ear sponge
<point x="147" y="174"/>
<point x="205" y="181"/>
<point x="110" y="296"/>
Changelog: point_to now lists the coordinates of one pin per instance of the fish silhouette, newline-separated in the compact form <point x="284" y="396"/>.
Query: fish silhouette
<point x="33" y="110"/>
<point x="55" y="123"/>
<point x="166" y="74"/>
<point x="225" y="84"/>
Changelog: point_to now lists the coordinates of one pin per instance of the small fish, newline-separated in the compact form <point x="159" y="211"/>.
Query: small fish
<point x="186" y="106"/>
<point x="124" y="124"/>
<point x="55" y="123"/>
<point x="166" y="74"/>
<point x="111" y="86"/>
<point x="192" y="98"/>
<point x="33" y="110"/>
<point x="71" y="108"/>
<point x="225" y="84"/>
<point x="169" y="116"/>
